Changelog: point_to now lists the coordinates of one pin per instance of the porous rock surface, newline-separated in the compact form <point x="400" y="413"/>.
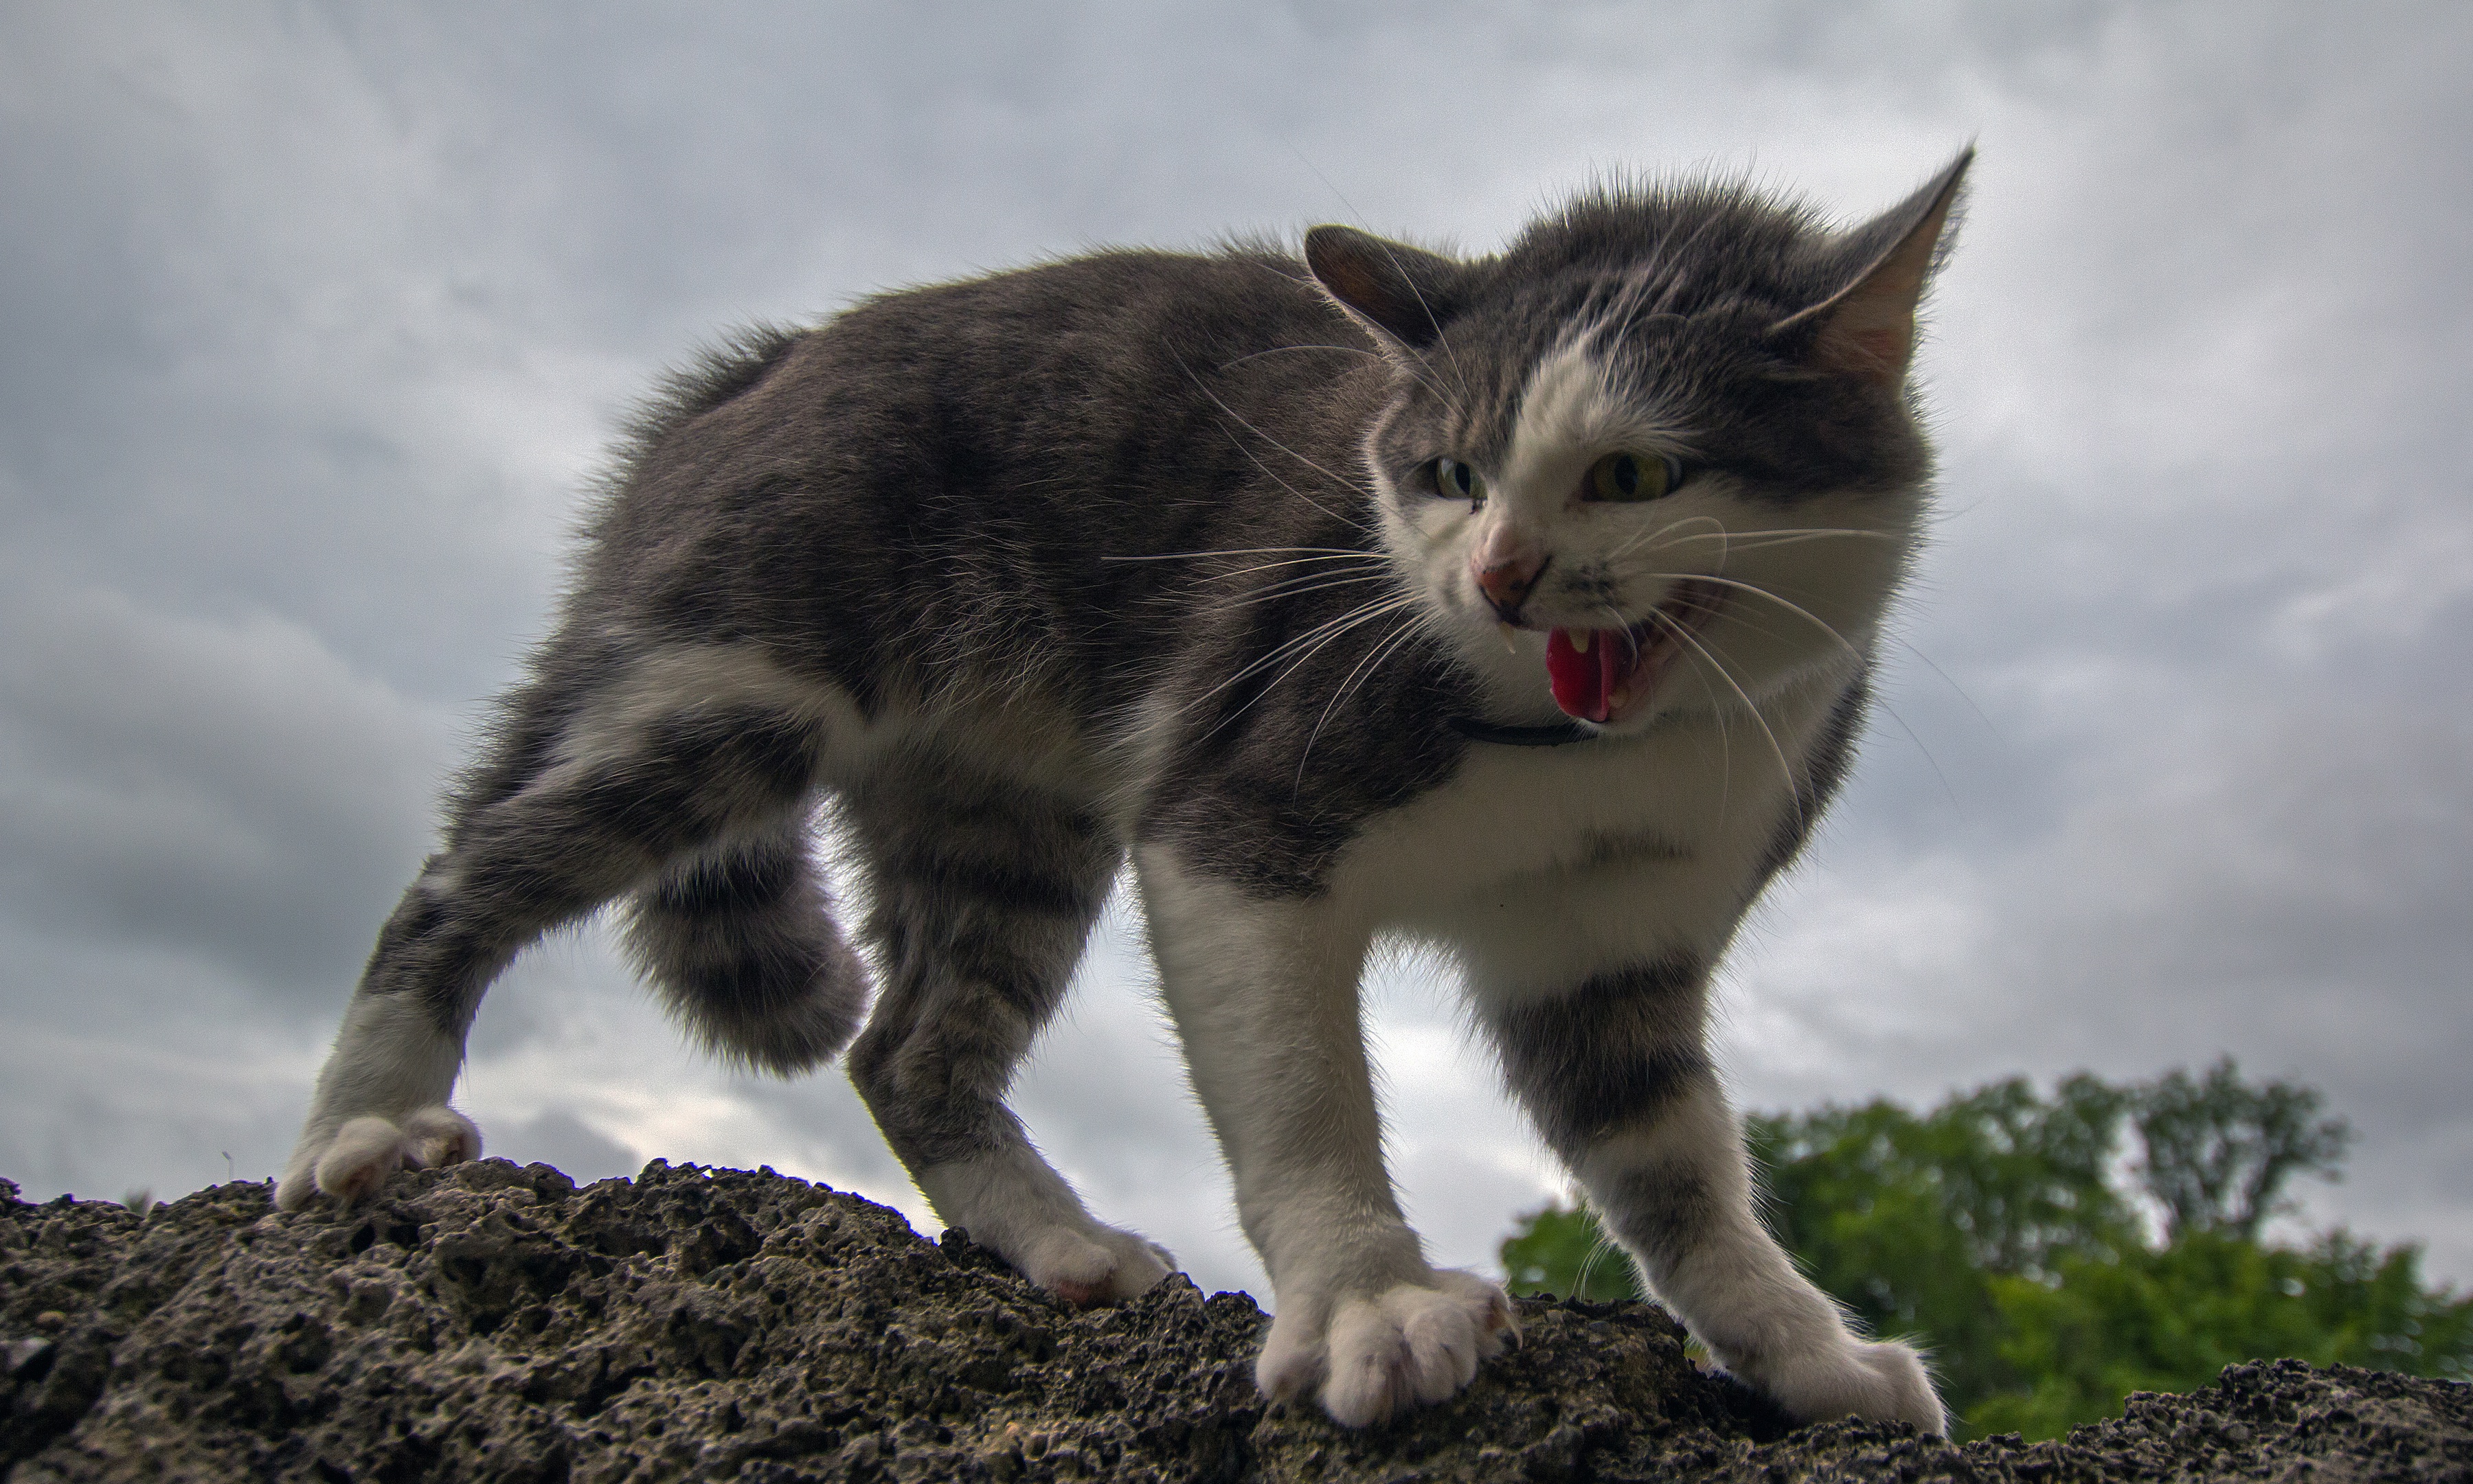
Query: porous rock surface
<point x="490" y="1323"/>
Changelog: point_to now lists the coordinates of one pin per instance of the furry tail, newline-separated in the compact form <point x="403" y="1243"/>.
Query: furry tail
<point x="741" y="945"/>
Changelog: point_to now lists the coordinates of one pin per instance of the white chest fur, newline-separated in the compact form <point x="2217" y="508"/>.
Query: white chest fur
<point x="1536" y="864"/>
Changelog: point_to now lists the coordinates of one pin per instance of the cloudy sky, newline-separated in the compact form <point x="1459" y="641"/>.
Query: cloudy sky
<point x="314" y="321"/>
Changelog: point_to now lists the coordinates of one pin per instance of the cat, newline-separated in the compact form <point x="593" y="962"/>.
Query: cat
<point x="1521" y="607"/>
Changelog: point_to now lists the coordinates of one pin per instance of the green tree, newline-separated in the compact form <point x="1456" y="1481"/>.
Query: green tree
<point x="2171" y="1318"/>
<point x="1907" y="1219"/>
<point x="1561" y="1252"/>
<point x="2008" y="1231"/>
<point x="2220" y="1151"/>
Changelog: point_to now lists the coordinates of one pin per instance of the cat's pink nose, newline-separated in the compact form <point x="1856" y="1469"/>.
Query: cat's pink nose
<point x="1506" y="583"/>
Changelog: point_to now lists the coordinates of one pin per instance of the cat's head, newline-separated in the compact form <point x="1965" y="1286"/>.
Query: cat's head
<point x="1659" y="454"/>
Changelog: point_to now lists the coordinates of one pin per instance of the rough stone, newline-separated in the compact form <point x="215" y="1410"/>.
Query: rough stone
<point x="490" y="1323"/>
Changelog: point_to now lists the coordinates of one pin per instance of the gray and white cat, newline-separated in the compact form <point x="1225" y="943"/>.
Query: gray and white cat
<point x="1519" y="607"/>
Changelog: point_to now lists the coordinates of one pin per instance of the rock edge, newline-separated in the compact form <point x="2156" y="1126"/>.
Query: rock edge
<point x="489" y="1321"/>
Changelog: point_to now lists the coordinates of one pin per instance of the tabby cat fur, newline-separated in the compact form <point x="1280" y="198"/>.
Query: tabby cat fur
<point x="1519" y="607"/>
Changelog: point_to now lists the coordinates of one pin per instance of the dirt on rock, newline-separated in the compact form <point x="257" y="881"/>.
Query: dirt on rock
<point x="495" y="1323"/>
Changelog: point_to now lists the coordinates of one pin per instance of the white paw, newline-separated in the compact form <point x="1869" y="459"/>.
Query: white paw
<point x="1884" y="1381"/>
<point x="358" y="1157"/>
<point x="1373" y="1356"/>
<point x="1093" y="1265"/>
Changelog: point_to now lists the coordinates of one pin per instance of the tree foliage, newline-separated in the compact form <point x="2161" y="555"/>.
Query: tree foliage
<point x="2219" y="1150"/>
<point x="2057" y="1253"/>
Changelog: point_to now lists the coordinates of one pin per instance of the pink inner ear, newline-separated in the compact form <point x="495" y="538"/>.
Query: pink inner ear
<point x="1879" y="350"/>
<point x="1355" y="286"/>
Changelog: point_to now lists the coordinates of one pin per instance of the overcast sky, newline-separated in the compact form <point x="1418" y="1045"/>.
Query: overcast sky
<point x="315" y="320"/>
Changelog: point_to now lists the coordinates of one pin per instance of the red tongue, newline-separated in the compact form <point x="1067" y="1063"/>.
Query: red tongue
<point x="1582" y="681"/>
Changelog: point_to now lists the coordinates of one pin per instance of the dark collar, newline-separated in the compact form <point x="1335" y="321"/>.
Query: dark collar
<point x="1554" y="735"/>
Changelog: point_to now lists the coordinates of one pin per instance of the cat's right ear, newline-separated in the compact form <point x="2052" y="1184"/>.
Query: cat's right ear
<point x="1867" y="329"/>
<point x="1404" y="294"/>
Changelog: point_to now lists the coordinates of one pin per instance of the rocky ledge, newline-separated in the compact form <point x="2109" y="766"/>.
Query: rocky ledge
<point x="492" y="1323"/>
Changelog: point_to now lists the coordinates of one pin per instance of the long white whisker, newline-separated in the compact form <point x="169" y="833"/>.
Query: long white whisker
<point x="1763" y="540"/>
<point x="1741" y="621"/>
<point x="1328" y="630"/>
<point x="1745" y="540"/>
<point x="1240" y="420"/>
<point x="1399" y="634"/>
<point x="1320" y="570"/>
<point x="1282" y="349"/>
<point x="1298" y="586"/>
<point x="1240" y="551"/>
<point x="1365" y="616"/>
<point x="1461" y="376"/>
<point x="1273" y="475"/>
<point x="1929" y="759"/>
<point x="1280" y="651"/>
<point x="1764" y="593"/>
<point x="1430" y="383"/>
<point x="1267" y="566"/>
<point x="1657" y="535"/>
<point x="1794" y="790"/>
<point x="1988" y="722"/>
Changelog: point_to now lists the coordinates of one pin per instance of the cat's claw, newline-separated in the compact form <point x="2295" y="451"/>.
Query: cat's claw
<point x="354" y="1161"/>
<point x="1373" y="1356"/>
<point x="1095" y="1266"/>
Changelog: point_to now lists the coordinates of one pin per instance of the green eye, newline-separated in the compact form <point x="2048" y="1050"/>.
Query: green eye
<point x="1456" y="481"/>
<point x="1632" y="476"/>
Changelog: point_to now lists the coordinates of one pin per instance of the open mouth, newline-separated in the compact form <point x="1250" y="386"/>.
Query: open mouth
<point x="1601" y="675"/>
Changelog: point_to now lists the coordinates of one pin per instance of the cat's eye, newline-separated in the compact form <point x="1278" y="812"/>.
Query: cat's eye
<point x="1456" y="481"/>
<point x="1632" y="476"/>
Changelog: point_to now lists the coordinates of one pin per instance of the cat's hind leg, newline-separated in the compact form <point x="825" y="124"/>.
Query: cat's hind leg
<point x="589" y="791"/>
<point x="1613" y="1069"/>
<point x="985" y="893"/>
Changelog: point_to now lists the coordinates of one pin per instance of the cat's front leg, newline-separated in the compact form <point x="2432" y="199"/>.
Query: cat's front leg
<point x="1264" y="993"/>
<point x="1614" y="1071"/>
<point x="380" y="1103"/>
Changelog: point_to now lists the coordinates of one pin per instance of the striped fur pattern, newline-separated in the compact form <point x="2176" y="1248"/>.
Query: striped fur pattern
<point x="1204" y="564"/>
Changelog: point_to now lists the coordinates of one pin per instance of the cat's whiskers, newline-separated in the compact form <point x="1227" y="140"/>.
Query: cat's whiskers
<point x="1273" y="566"/>
<point x="1357" y="677"/>
<point x="1460" y="374"/>
<point x="1762" y="539"/>
<point x="1796" y="536"/>
<point x="1240" y="420"/>
<point x="1657" y="535"/>
<point x="1316" y="581"/>
<point x="1716" y="712"/>
<point x="1284" y="349"/>
<point x="1427" y="381"/>
<point x="1240" y="551"/>
<point x="1273" y="476"/>
<point x="1725" y="743"/>
<point x="1319" y="636"/>
<point x="1881" y="704"/>
<point x="1744" y="621"/>
<point x="1406" y="278"/>
<point x="1759" y="591"/>
<point x="1365" y="616"/>
<point x="1683" y="635"/>
<point x="1277" y="585"/>
<point x="1295" y="587"/>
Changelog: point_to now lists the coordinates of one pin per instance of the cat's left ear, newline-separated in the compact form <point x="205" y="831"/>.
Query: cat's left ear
<point x="1867" y="328"/>
<point x="1402" y="293"/>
